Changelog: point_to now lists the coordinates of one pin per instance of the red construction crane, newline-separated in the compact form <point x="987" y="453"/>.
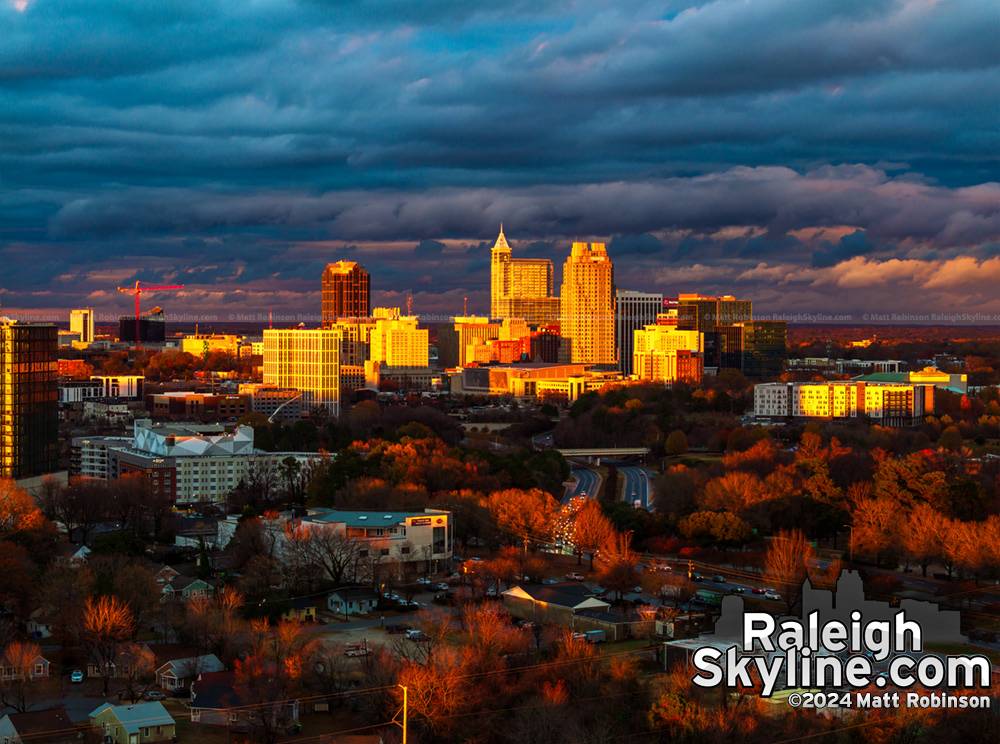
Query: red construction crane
<point x="137" y="290"/>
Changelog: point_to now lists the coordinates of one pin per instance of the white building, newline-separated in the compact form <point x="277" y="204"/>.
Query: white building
<point x="885" y="403"/>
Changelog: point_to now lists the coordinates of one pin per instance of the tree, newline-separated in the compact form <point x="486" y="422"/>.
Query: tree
<point x="107" y="623"/>
<point x="590" y="530"/>
<point x="525" y="515"/>
<point x="875" y="524"/>
<point x="786" y="564"/>
<point x="922" y="534"/>
<point x="676" y="444"/>
<point x="19" y="687"/>
<point x="137" y="670"/>
<point x="291" y="470"/>
<point x="617" y="563"/>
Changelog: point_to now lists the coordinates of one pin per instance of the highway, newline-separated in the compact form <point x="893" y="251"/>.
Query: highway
<point x="587" y="483"/>
<point x="637" y="480"/>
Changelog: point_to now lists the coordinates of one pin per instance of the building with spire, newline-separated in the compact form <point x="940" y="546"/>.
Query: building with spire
<point x="588" y="306"/>
<point x="346" y="292"/>
<point x="521" y="287"/>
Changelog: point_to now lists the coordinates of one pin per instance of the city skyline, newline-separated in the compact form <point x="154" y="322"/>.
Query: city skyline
<point x="813" y="159"/>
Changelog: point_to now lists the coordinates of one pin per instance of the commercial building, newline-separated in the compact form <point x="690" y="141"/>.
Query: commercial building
<point x="633" y="311"/>
<point x="346" y="292"/>
<point x="422" y="539"/>
<point x="271" y="400"/>
<point x="192" y="406"/>
<point x="952" y="382"/>
<point x="398" y="342"/>
<point x="886" y="404"/>
<point x="757" y="348"/>
<point x="308" y="360"/>
<point x="458" y="335"/>
<point x="588" y="306"/>
<point x="544" y="345"/>
<point x="356" y="336"/>
<point x="521" y="287"/>
<point x="29" y="399"/>
<point x="562" y="383"/>
<point x="845" y="366"/>
<point x="663" y="353"/>
<point x="186" y="463"/>
<point x="82" y="322"/>
<point x="203" y="344"/>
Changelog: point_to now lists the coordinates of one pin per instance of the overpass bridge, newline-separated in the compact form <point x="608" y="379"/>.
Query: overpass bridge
<point x="605" y="452"/>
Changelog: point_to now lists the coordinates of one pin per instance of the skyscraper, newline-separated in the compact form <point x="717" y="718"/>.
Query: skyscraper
<point x="29" y="399"/>
<point x="588" y="305"/>
<point x="633" y="312"/>
<point x="346" y="292"/>
<point x="82" y="322"/>
<point x="521" y="287"/>
<point x="308" y="360"/>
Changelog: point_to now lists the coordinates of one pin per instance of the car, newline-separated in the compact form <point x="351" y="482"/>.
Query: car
<point x="637" y="504"/>
<point x="719" y="579"/>
<point x="759" y="590"/>
<point x="574" y="577"/>
<point x="417" y="635"/>
<point x="550" y="581"/>
<point x="153" y="695"/>
<point x="697" y="577"/>
<point x="772" y="595"/>
<point x="441" y="587"/>
<point x="739" y="590"/>
<point x="424" y="580"/>
<point x="76" y="677"/>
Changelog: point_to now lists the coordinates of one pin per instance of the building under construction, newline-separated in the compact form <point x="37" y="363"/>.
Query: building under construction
<point x="152" y="328"/>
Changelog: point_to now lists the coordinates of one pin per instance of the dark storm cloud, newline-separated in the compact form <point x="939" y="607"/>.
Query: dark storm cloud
<point x="235" y="146"/>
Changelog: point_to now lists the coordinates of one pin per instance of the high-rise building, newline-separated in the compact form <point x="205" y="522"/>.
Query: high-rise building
<point x="633" y="311"/>
<point x="765" y="349"/>
<point x="662" y="352"/>
<point x="711" y="315"/>
<point x="397" y="342"/>
<point x="346" y="292"/>
<point x="308" y="360"/>
<point x="82" y="322"/>
<point x="588" y="306"/>
<point x="521" y="287"/>
<point x="29" y="399"/>
<point x="456" y="336"/>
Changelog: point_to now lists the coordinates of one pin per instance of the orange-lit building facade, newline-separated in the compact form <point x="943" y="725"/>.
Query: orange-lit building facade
<point x="886" y="404"/>
<point x="346" y="292"/>
<point x="588" y="306"/>
<point x="521" y="287"/>
<point x="29" y="399"/>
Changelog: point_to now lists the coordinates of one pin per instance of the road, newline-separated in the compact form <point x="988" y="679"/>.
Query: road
<point x="587" y="483"/>
<point x="637" y="480"/>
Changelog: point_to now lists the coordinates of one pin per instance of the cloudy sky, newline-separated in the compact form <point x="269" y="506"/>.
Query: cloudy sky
<point x="816" y="156"/>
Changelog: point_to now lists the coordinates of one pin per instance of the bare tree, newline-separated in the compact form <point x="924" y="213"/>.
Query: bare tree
<point x="786" y="564"/>
<point x="107" y="623"/>
<point x="19" y="686"/>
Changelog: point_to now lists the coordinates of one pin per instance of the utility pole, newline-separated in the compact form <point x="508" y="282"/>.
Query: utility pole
<point x="405" y="714"/>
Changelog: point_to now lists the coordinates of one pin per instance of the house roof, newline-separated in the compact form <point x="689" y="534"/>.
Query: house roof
<point x="567" y="594"/>
<point x="134" y="717"/>
<point x="39" y="721"/>
<point x="188" y="666"/>
<point x="368" y="519"/>
<point x="180" y="583"/>
<point x="303" y="603"/>
<point x="355" y="593"/>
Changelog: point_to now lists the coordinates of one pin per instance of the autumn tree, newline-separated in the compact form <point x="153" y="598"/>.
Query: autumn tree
<point x="107" y="623"/>
<point x="20" y="688"/>
<point x="137" y="670"/>
<point x="591" y="530"/>
<point x="525" y="515"/>
<point x="875" y="526"/>
<point x="922" y="533"/>
<point x="787" y="564"/>
<point x="617" y="564"/>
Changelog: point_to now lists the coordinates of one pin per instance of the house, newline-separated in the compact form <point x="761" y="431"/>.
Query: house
<point x="569" y="603"/>
<point x="48" y="726"/>
<point x="215" y="701"/>
<point x="186" y="587"/>
<point x="70" y="554"/>
<point x="163" y="574"/>
<point x="302" y="609"/>
<point x="133" y="724"/>
<point x="120" y="666"/>
<point x="39" y="668"/>
<point x="353" y="600"/>
<point x="179" y="673"/>
<point x="40" y="624"/>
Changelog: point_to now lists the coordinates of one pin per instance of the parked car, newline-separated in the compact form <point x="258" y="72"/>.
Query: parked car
<point x="442" y="587"/>
<point x="550" y="581"/>
<point x="417" y="636"/>
<point x="76" y="677"/>
<point x="574" y="577"/>
<point x="153" y="695"/>
<point x="424" y="580"/>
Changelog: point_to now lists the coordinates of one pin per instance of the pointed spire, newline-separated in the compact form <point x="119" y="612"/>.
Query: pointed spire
<point x="501" y="244"/>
